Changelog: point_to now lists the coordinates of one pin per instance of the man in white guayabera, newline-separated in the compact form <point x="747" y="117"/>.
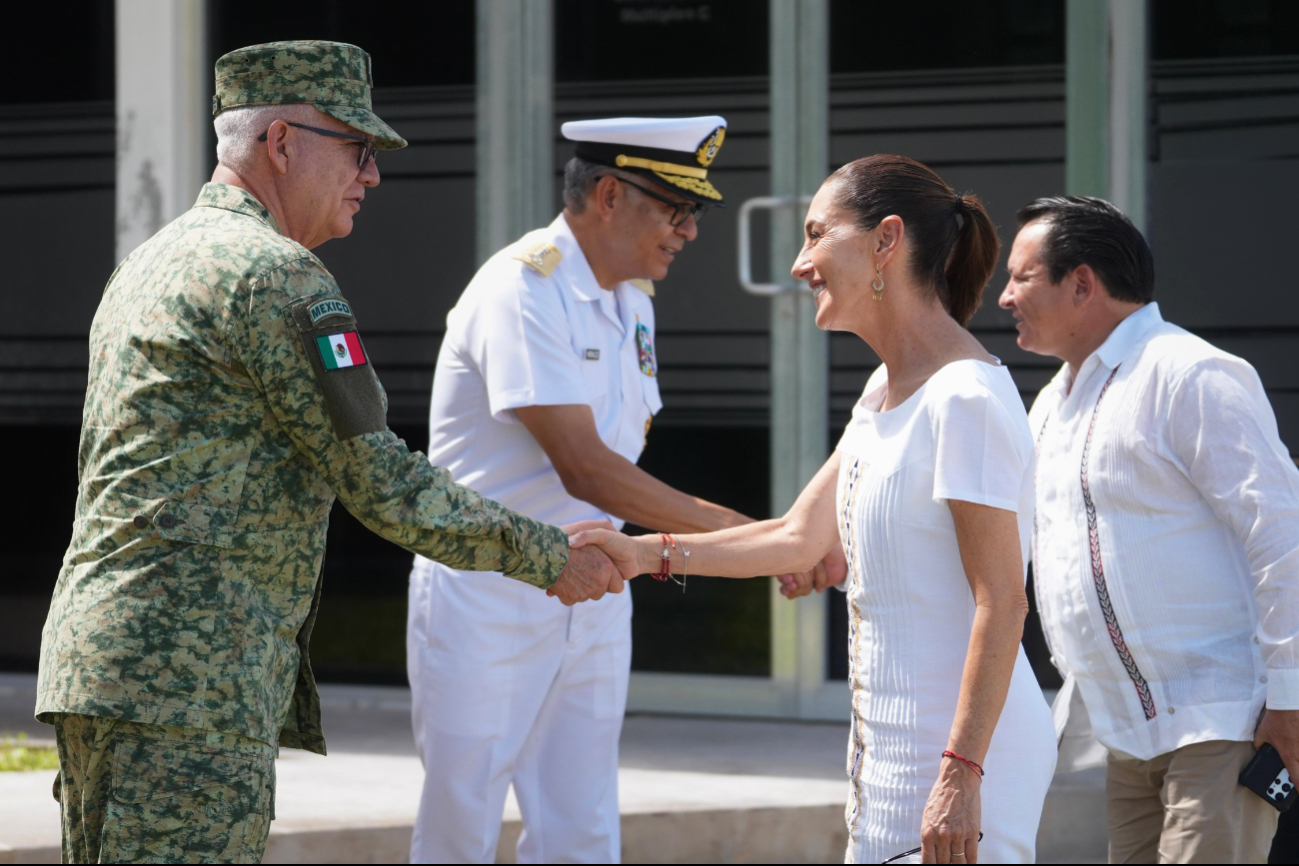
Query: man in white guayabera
<point x="1166" y="545"/>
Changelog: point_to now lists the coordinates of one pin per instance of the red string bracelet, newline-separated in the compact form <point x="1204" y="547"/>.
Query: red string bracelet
<point x="966" y="761"/>
<point x="665" y="559"/>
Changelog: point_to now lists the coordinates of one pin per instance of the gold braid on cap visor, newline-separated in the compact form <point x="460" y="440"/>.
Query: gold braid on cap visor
<point x="686" y="177"/>
<point x="661" y="167"/>
<point x="690" y="184"/>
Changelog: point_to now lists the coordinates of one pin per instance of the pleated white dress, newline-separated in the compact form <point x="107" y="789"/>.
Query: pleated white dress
<point x="964" y="435"/>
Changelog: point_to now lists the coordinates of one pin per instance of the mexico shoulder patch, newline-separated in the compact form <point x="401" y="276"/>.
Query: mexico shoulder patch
<point x="339" y="351"/>
<point x="348" y="388"/>
<point x="329" y="307"/>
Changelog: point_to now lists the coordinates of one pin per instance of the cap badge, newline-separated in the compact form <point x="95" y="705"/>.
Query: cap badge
<point x="708" y="150"/>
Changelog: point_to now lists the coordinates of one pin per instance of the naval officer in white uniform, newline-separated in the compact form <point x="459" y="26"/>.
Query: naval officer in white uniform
<point x="545" y="388"/>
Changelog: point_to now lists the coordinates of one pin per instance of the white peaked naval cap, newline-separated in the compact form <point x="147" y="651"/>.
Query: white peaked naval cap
<point x="673" y="152"/>
<point x="665" y="133"/>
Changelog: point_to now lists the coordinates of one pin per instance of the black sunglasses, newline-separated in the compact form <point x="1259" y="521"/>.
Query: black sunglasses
<point x="681" y="210"/>
<point x="362" y="159"/>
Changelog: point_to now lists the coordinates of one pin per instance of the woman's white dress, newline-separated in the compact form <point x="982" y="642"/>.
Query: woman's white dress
<point x="964" y="435"/>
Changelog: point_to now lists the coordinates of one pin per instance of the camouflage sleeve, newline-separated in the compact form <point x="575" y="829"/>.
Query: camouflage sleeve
<point x="298" y="340"/>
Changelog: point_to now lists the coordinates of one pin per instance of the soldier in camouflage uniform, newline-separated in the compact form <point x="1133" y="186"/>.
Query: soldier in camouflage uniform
<point x="229" y="401"/>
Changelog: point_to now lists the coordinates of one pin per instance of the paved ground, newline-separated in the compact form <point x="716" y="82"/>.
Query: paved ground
<point x="692" y="789"/>
<point x="375" y="720"/>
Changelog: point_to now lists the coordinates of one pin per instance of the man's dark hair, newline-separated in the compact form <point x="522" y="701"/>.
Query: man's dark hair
<point x="1082" y="230"/>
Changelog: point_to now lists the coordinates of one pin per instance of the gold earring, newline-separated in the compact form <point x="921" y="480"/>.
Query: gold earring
<point x="877" y="286"/>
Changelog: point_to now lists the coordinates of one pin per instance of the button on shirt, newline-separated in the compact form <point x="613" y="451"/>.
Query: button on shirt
<point x="518" y="338"/>
<point x="1165" y="549"/>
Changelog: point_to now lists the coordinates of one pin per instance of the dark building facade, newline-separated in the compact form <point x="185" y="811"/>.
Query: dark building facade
<point x="974" y="89"/>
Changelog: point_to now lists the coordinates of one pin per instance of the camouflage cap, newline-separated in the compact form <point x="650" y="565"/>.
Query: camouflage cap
<point x="333" y="76"/>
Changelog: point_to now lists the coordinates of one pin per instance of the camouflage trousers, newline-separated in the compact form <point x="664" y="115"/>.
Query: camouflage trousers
<point x="136" y="793"/>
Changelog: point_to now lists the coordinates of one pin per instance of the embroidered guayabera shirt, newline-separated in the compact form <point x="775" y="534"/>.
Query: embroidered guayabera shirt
<point x="230" y="400"/>
<point x="1166" y="552"/>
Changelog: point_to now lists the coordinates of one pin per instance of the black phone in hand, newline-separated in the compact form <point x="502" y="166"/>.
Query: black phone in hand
<point x="1267" y="776"/>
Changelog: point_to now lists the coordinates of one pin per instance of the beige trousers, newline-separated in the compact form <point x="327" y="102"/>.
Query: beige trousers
<point x="1187" y="806"/>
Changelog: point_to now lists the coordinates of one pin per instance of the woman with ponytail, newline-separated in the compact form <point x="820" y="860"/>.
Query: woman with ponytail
<point x="930" y="492"/>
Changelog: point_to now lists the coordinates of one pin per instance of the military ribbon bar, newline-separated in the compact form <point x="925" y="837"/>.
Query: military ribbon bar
<point x="338" y="351"/>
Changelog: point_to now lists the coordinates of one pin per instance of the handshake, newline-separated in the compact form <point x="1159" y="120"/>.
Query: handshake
<point x="590" y="571"/>
<point x="602" y="560"/>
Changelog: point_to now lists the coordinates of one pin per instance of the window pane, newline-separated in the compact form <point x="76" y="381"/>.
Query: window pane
<point x="1198" y="29"/>
<point x="944" y="34"/>
<point x="717" y="626"/>
<point x="614" y="40"/>
<point x="424" y="44"/>
<point x="65" y="48"/>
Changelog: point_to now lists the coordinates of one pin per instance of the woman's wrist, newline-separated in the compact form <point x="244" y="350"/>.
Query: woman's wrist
<point x="954" y="763"/>
<point x="648" y="553"/>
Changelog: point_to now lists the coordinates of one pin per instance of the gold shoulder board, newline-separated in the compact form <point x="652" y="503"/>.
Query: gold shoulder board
<point x="542" y="258"/>
<point x="646" y="286"/>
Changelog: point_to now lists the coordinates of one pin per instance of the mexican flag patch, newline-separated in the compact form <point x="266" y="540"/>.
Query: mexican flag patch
<point x="341" y="350"/>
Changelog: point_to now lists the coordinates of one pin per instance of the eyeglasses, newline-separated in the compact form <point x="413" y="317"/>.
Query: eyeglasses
<point x="681" y="210"/>
<point x="362" y="159"/>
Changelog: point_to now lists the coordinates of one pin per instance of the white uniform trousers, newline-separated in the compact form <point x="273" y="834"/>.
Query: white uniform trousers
<point x="509" y="685"/>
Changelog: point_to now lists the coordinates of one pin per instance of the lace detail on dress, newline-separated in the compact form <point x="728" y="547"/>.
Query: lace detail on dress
<point x="856" y="744"/>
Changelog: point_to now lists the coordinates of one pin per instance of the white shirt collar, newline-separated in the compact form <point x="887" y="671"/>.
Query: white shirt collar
<point x="1123" y="339"/>
<point x="581" y="277"/>
<point x="1116" y="349"/>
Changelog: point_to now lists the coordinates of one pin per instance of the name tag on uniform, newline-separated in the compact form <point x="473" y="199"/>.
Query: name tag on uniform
<point x="592" y="354"/>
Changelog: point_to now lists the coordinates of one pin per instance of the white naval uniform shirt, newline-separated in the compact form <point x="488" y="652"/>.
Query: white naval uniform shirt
<point x="1166" y="546"/>
<point x="517" y="338"/>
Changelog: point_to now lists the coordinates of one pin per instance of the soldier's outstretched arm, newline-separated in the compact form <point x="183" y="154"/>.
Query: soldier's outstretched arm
<point x="300" y="345"/>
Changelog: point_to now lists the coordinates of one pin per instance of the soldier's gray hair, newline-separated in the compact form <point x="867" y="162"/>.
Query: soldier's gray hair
<point x="237" y="130"/>
<point x="580" y="177"/>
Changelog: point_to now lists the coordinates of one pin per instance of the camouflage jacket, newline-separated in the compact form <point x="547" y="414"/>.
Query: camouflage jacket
<point x="229" y="402"/>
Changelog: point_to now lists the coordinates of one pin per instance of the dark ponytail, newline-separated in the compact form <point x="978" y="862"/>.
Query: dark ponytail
<point x="972" y="260"/>
<point x="954" y="245"/>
